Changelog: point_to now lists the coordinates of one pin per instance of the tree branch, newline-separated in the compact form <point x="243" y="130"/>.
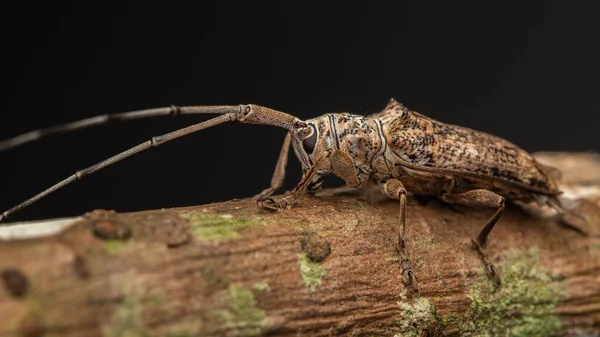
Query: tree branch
<point x="326" y="267"/>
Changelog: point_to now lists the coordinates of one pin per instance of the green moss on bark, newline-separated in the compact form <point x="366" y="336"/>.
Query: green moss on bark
<point x="420" y="318"/>
<point x="215" y="227"/>
<point x="312" y="273"/>
<point x="126" y="319"/>
<point x="524" y="305"/>
<point x="242" y="317"/>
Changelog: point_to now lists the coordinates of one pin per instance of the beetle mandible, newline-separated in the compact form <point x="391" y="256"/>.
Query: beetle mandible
<point x="399" y="149"/>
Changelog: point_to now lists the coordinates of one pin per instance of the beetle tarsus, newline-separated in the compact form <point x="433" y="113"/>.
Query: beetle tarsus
<point x="408" y="277"/>
<point x="490" y="269"/>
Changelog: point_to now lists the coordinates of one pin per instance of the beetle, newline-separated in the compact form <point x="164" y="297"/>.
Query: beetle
<point x="399" y="149"/>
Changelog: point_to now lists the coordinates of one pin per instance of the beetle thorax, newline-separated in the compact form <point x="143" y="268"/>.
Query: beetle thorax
<point x="356" y="138"/>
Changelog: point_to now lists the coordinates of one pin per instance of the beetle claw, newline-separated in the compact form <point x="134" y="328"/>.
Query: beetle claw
<point x="267" y="203"/>
<point x="275" y="205"/>
<point x="490" y="269"/>
<point x="408" y="277"/>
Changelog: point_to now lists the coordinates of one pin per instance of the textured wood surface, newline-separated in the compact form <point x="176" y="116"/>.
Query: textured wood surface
<point x="325" y="268"/>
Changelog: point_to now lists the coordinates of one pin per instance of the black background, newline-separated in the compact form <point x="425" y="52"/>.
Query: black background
<point x="527" y="72"/>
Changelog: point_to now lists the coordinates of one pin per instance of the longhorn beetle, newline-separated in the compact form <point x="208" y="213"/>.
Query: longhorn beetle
<point x="399" y="149"/>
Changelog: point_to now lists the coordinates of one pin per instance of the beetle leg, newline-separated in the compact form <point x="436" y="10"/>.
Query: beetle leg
<point x="279" y="173"/>
<point x="343" y="166"/>
<point x="481" y="198"/>
<point x="321" y="164"/>
<point x="335" y="191"/>
<point x="395" y="190"/>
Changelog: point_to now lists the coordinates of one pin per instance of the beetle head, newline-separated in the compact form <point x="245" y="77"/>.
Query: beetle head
<point x="308" y="141"/>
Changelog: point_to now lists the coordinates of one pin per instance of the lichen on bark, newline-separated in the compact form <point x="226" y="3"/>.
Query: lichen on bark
<point x="312" y="273"/>
<point x="524" y="305"/>
<point x="241" y="316"/>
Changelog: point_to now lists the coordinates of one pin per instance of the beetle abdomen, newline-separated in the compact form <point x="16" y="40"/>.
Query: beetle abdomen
<point x="420" y="141"/>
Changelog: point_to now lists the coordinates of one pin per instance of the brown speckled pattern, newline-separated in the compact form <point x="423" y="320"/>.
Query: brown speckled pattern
<point x="418" y="141"/>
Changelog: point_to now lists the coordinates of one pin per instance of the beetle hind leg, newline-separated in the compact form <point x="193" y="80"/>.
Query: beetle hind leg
<point x="488" y="199"/>
<point x="395" y="190"/>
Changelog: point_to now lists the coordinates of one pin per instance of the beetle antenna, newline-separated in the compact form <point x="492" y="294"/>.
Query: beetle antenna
<point x="109" y="118"/>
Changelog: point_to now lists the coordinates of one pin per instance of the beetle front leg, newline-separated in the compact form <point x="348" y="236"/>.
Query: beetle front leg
<point x="394" y="189"/>
<point x="481" y="198"/>
<point x="321" y="164"/>
<point x="279" y="173"/>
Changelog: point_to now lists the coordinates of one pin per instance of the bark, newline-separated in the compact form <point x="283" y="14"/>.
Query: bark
<point x="324" y="268"/>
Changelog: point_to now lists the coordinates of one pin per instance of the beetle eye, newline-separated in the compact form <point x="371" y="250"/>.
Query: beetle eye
<point x="309" y="143"/>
